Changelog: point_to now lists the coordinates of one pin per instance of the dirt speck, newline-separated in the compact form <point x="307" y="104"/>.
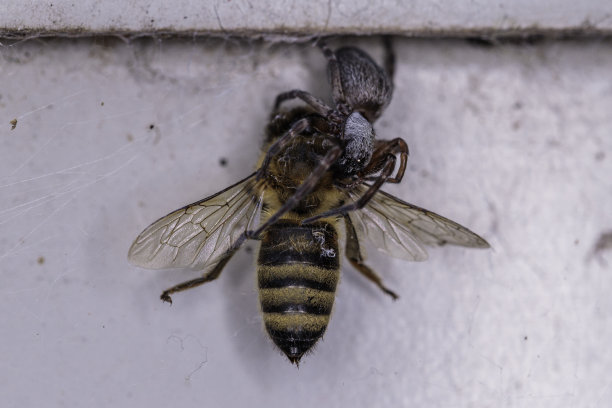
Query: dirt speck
<point x="603" y="244"/>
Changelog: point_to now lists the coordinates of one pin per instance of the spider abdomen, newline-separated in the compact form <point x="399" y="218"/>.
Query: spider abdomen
<point x="367" y="87"/>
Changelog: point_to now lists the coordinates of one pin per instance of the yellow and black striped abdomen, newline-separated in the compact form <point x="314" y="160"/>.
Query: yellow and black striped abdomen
<point x="297" y="271"/>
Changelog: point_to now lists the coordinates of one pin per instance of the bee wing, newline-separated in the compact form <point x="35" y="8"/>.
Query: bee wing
<point x="196" y="235"/>
<point x="400" y="229"/>
<point x="357" y="234"/>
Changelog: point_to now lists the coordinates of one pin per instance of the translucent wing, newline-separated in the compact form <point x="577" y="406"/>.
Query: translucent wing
<point x="401" y="229"/>
<point x="196" y="235"/>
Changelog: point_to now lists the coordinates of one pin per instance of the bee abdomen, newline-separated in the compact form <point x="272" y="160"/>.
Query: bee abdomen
<point x="295" y="334"/>
<point x="296" y="300"/>
<point x="297" y="278"/>
<point x="288" y="243"/>
<point x="296" y="317"/>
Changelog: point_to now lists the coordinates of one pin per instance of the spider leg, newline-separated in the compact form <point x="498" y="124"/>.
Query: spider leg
<point x="318" y="105"/>
<point x="302" y="191"/>
<point x="389" y="58"/>
<point x="353" y="254"/>
<point x="390" y="147"/>
<point x="363" y="200"/>
<point x="334" y="78"/>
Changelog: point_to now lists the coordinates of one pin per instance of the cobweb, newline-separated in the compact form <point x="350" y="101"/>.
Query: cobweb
<point x="86" y="115"/>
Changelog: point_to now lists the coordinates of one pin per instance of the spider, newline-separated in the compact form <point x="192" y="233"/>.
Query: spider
<point x="361" y="90"/>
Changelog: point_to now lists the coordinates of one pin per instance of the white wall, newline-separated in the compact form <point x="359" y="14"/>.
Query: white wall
<point x="512" y="141"/>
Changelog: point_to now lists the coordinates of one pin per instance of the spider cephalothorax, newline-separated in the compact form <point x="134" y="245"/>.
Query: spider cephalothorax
<point x="361" y="90"/>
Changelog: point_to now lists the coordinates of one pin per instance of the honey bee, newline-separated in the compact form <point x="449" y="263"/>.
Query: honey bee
<point x="320" y="173"/>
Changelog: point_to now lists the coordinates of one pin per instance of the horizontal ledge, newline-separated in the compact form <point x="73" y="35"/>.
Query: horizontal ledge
<point x="486" y="34"/>
<point x="293" y="20"/>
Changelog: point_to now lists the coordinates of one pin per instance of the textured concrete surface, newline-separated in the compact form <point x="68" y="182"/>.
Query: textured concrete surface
<point x="239" y="17"/>
<point x="512" y="141"/>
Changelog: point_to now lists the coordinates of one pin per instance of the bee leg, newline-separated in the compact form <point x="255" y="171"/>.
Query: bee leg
<point x="302" y="191"/>
<point x="319" y="106"/>
<point x="207" y="277"/>
<point x="363" y="200"/>
<point x="353" y="254"/>
<point x="371" y="275"/>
